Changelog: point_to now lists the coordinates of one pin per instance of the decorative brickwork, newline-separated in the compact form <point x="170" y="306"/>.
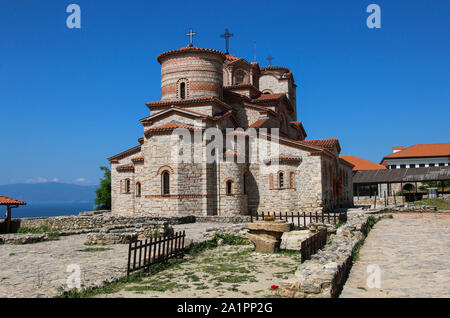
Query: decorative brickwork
<point x="203" y="88"/>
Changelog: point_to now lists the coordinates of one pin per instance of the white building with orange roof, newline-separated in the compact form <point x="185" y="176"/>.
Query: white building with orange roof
<point x="203" y="89"/>
<point x="418" y="156"/>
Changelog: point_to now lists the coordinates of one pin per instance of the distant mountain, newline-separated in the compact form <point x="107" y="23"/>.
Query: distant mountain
<point x="49" y="192"/>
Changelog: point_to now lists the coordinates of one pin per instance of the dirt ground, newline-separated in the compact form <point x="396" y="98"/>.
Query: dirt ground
<point x="224" y="272"/>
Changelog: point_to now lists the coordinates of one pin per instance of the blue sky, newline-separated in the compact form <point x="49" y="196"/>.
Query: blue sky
<point x="71" y="98"/>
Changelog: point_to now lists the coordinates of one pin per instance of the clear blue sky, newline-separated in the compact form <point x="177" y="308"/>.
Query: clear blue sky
<point x="71" y="98"/>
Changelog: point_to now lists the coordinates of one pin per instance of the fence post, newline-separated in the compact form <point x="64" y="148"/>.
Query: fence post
<point x="129" y="259"/>
<point x="375" y="201"/>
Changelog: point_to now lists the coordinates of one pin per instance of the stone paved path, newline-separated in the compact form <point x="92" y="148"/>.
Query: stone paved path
<point x="413" y="253"/>
<point x="37" y="270"/>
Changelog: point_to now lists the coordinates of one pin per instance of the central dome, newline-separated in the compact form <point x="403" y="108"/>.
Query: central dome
<point x="191" y="72"/>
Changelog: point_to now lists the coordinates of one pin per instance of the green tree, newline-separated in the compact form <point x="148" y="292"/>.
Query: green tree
<point x="103" y="200"/>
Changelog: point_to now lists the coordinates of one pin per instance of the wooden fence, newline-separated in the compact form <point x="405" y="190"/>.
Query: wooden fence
<point x="144" y="253"/>
<point x="312" y="244"/>
<point x="301" y="220"/>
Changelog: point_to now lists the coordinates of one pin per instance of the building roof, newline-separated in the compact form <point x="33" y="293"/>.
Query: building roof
<point x="259" y="123"/>
<point x="362" y="164"/>
<point x="189" y="49"/>
<point x="269" y="97"/>
<point x="327" y="143"/>
<point x="422" y="150"/>
<point x="125" y="153"/>
<point x="275" y="68"/>
<point x="168" y="127"/>
<point x="191" y="101"/>
<point x="10" y="201"/>
<point x="402" y="175"/>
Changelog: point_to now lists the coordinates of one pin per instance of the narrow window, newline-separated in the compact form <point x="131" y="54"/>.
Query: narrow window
<point x="138" y="189"/>
<point x="127" y="186"/>
<point x="271" y="181"/>
<point x="183" y="90"/>
<point x="229" y="187"/>
<point x="281" y="179"/>
<point x="292" y="180"/>
<point x="245" y="183"/>
<point x="165" y="183"/>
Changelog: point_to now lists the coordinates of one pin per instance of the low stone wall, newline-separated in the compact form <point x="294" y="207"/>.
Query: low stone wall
<point x="325" y="273"/>
<point x="223" y="219"/>
<point x="69" y="223"/>
<point x="411" y="208"/>
<point x="18" y="239"/>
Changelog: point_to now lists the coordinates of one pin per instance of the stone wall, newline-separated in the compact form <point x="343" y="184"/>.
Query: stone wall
<point x="70" y="223"/>
<point x="326" y="272"/>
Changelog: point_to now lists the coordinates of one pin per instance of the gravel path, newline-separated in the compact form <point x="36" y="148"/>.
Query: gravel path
<point x="413" y="252"/>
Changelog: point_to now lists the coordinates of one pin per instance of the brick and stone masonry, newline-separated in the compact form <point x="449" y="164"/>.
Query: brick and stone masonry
<point x="204" y="88"/>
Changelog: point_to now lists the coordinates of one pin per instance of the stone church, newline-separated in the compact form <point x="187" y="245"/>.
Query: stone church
<point x="203" y="88"/>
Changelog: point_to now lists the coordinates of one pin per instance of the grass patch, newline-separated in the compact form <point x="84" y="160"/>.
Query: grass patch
<point x="95" y="249"/>
<point x="157" y="285"/>
<point x="441" y="204"/>
<point x="371" y="222"/>
<point x="12" y="254"/>
<point x="234" y="279"/>
<point x="228" y="239"/>
<point x="362" y="288"/>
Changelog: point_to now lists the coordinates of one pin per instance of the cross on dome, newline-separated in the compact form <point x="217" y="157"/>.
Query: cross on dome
<point x="227" y="35"/>
<point x="191" y="34"/>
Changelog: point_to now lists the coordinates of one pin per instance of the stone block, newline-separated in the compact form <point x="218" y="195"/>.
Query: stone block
<point x="292" y="241"/>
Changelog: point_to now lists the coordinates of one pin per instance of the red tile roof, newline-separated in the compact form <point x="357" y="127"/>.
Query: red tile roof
<point x="125" y="154"/>
<point x="189" y="49"/>
<point x="10" y="201"/>
<point x="362" y="164"/>
<point x="327" y="143"/>
<point x="275" y="68"/>
<point x="267" y="97"/>
<point x="423" y="150"/>
<point x="259" y="123"/>
<point x="139" y="158"/>
<point x="168" y="126"/>
<point x="197" y="100"/>
<point x="125" y="167"/>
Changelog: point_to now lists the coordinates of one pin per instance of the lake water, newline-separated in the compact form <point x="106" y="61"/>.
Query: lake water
<point x="48" y="209"/>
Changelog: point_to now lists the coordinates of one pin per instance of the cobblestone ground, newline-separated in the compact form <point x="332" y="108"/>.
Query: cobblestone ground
<point x="413" y="253"/>
<point x="37" y="270"/>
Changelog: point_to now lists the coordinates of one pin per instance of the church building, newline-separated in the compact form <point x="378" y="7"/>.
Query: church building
<point x="203" y="88"/>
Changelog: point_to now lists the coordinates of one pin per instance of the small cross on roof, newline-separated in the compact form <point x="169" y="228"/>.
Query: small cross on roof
<point x="191" y="35"/>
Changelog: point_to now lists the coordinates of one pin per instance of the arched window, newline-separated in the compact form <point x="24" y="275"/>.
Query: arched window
<point x="281" y="179"/>
<point x="229" y="187"/>
<point x="239" y="77"/>
<point x="183" y="90"/>
<point x="138" y="189"/>
<point x="127" y="185"/>
<point x="165" y="186"/>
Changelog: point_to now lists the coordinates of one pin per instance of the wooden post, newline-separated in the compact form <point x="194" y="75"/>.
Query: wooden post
<point x="375" y="201"/>
<point x="385" y="199"/>
<point x="403" y="195"/>
<point x="8" y="218"/>
<point x="395" y="199"/>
